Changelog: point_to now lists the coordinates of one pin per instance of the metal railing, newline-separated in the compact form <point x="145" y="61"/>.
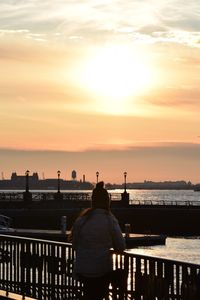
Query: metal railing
<point x="42" y="196"/>
<point x="18" y="197"/>
<point x="43" y="270"/>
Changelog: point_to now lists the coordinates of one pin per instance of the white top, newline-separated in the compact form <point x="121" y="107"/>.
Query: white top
<point x="93" y="237"/>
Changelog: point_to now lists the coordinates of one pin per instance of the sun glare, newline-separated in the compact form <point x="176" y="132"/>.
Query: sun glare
<point x="116" y="72"/>
<point x="115" y="75"/>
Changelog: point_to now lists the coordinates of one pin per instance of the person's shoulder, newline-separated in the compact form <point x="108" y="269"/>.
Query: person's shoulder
<point x="112" y="218"/>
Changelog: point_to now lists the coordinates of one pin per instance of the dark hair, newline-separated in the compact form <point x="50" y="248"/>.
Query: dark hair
<point x="86" y="212"/>
<point x="100" y="197"/>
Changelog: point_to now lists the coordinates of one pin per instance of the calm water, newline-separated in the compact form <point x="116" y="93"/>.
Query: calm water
<point x="162" y="195"/>
<point x="180" y="248"/>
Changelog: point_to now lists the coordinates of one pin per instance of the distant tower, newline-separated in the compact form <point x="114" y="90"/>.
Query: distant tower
<point x="43" y="177"/>
<point x="83" y="178"/>
<point x="73" y="175"/>
<point x="2" y="176"/>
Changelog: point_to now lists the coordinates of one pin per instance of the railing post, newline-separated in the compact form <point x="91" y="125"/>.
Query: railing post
<point x="125" y="199"/>
<point x="63" y="224"/>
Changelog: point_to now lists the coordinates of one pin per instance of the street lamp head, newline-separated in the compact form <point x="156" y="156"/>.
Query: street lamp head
<point x="125" y="174"/>
<point x="27" y="172"/>
<point x="97" y="174"/>
<point x="58" y="172"/>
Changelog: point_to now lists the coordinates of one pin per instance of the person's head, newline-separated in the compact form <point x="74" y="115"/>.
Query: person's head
<point x="100" y="197"/>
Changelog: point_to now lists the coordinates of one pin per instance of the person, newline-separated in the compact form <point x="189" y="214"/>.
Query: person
<point x="94" y="233"/>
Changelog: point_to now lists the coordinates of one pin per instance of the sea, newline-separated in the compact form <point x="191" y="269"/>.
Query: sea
<point x="181" y="248"/>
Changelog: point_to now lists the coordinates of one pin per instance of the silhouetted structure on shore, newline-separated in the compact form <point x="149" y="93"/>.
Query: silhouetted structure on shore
<point x="152" y="185"/>
<point x="18" y="182"/>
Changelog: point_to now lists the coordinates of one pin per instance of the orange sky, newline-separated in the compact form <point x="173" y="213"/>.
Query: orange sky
<point x="95" y="88"/>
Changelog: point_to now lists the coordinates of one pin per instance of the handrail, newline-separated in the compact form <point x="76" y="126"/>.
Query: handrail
<point x="17" y="197"/>
<point x="43" y="270"/>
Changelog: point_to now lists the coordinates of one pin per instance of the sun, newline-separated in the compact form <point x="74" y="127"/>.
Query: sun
<point x="115" y="74"/>
<point x="116" y="71"/>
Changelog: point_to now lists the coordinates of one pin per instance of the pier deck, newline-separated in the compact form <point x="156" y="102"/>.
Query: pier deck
<point x="13" y="296"/>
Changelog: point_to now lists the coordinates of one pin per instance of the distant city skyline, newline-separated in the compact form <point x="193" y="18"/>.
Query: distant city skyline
<point x="95" y="85"/>
<point x="139" y="163"/>
<point x="16" y="180"/>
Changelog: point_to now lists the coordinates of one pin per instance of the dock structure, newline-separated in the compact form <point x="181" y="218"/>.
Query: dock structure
<point x="44" y="270"/>
<point x="45" y="210"/>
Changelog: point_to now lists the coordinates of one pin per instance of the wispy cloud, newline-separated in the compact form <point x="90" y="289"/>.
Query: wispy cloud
<point x="141" y="21"/>
<point x="191" y="39"/>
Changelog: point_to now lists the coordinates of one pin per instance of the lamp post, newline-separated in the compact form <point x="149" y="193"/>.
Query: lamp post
<point x="27" y="196"/>
<point x="125" y="174"/>
<point x="97" y="174"/>
<point x="27" y="181"/>
<point x="58" y="172"/>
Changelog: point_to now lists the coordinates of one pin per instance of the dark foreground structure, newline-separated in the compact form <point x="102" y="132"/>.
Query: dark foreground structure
<point x="43" y="270"/>
<point x="45" y="211"/>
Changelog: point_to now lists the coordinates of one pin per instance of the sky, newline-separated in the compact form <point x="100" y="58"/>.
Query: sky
<point x="95" y="85"/>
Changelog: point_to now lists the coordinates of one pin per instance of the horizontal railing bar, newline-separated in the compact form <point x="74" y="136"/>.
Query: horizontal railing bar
<point x="160" y="259"/>
<point x="8" y="237"/>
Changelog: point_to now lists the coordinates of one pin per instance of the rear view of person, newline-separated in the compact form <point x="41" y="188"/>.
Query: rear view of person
<point x="94" y="233"/>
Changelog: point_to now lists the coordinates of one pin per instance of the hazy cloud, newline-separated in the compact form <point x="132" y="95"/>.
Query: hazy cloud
<point x="173" y="97"/>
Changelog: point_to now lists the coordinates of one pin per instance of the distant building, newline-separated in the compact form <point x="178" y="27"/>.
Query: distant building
<point x="18" y="182"/>
<point x="20" y="179"/>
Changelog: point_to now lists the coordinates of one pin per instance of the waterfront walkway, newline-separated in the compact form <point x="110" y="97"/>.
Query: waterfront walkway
<point x="13" y="296"/>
